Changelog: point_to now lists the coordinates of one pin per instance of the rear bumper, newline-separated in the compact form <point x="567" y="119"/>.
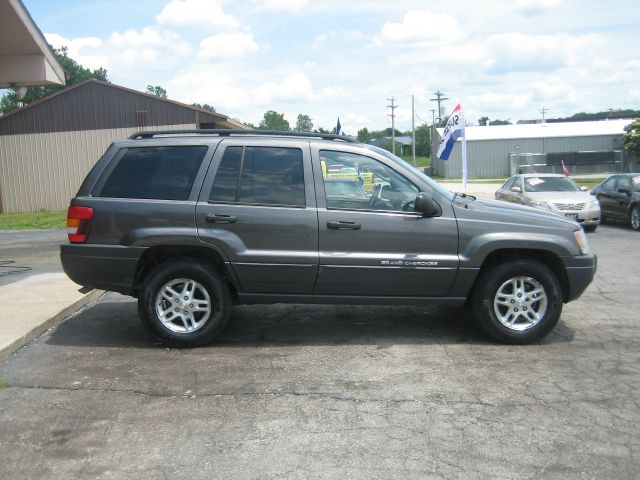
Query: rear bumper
<point x="106" y="267"/>
<point x="580" y="272"/>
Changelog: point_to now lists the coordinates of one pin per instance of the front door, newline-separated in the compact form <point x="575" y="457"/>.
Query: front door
<point x="257" y="207"/>
<point x="371" y="241"/>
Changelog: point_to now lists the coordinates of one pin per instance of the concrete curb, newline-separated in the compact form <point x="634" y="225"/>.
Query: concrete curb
<point x="35" y="332"/>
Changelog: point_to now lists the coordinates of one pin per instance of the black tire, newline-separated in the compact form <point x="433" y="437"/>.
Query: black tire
<point x="634" y="217"/>
<point x="590" y="228"/>
<point x="502" y="278"/>
<point x="205" y="317"/>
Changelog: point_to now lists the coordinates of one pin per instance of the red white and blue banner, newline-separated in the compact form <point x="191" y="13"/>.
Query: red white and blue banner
<point x="452" y="132"/>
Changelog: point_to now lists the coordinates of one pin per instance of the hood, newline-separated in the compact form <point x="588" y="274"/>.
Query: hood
<point x="560" y="197"/>
<point x="506" y="212"/>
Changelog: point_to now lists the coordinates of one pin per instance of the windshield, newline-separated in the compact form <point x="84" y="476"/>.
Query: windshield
<point x="432" y="183"/>
<point x="550" y="184"/>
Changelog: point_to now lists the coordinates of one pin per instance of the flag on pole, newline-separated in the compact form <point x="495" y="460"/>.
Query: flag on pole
<point x="338" y="127"/>
<point x="564" y="169"/>
<point x="452" y="131"/>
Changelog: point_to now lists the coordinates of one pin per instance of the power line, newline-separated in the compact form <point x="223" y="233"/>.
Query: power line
<point x="393" y="107"/>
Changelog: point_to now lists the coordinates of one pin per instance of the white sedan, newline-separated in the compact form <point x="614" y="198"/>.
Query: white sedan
<point x="553" y="192"/>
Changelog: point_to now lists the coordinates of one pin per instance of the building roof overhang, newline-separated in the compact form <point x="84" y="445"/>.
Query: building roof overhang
<point x="26" y="60"/>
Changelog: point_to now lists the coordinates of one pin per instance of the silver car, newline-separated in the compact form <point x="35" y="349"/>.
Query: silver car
<point x="554" y="192"/>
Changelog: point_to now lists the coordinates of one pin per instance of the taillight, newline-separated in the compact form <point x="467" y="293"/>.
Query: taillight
<point x="78" y="223"/>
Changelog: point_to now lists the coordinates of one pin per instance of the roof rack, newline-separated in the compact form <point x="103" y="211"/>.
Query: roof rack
<point x="227" y="132"/>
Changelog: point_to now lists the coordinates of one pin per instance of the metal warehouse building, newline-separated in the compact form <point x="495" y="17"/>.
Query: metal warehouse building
<point x="48" y="147"/>
<point x="503" y="150"/>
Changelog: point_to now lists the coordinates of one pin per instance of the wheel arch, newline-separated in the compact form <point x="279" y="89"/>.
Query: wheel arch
<point x="547" y="258"/>
<point x="158" y="255"/>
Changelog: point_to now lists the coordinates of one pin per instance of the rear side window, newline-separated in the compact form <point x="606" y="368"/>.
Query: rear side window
<point x="260" y="175"/>
<point x="163" y="173"/>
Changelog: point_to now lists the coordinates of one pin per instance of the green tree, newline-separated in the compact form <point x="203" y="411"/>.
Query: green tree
<point x="423" y="140"/>
<point x="156" y="90"/>
<point x="499" y="122"/>
<point x="364" y="135"/>
<point x="631" y="138"/>
<point x="274" y="121"/>
<point x="304" y="123"/>
<point x="482" y="121"/>
<point x="75" y="72"/>
<point x="204" y="106"/>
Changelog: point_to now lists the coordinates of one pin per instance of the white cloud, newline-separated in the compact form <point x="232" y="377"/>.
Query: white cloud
<point x="503" y="101"/>
<point x="536" y="6"/>
<point x="420" y="25"/>
<point x="227" y="45"/>
<point x="518" y="52"/>
<point x="552" y="89"/>
<point x="148" y="36"/>
<point x="296" y="86"/>
<point x="81" y="49"/>
<point x="285" y="5"/>
<point x="195" y="13"/>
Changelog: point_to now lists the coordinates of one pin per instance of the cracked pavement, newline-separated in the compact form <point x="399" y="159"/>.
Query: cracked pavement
<point x="296" y="391"/>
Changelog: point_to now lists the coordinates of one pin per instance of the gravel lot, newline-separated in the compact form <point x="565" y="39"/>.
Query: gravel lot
<point x="335" y="392"/>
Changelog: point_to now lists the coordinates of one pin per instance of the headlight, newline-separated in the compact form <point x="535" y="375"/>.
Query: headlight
<point x="542" y="205"/>
<point x="593" y="204"/>
<point x="581" y="240"/>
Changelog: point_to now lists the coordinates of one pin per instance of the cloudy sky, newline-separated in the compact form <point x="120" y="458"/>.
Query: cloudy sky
<point x="329" y="58"/>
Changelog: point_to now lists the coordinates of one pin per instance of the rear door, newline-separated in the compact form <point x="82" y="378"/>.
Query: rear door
<point x="257" y="207"/>
<point x="382" y="248"/>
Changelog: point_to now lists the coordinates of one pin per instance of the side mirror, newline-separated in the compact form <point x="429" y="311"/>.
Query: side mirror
<point x="584" y="189"/>
<point x="516" y="189"/>
<point x="426" y="206"/>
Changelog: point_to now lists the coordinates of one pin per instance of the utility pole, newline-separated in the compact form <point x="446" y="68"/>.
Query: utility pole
<point x="393" y="107"/>
<point x="413" y="127"/>
<point x="433" y="135"/>
<point x="440" y="98"/>
<point x="543" y="112"/>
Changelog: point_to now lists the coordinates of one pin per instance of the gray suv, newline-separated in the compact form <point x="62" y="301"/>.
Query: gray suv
<point x="193" y="222"/>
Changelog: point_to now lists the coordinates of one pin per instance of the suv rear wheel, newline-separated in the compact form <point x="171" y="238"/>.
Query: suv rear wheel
<point x="184" y="303"/>
<point x="518" y="302"/>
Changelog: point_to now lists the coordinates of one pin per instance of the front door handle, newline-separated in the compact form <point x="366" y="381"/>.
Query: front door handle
<point x="213" y="218"/>
<point x="337" y="225"/>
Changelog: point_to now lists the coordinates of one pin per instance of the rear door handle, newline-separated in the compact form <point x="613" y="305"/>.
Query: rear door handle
<point x="337" y="225"/>
<point x="213" y="218"/>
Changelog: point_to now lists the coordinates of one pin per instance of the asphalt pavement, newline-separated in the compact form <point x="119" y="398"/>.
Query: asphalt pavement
<point x="296" y="391"/>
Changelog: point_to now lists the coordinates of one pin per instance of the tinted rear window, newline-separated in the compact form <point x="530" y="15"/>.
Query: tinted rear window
<point x="164" y="173"/>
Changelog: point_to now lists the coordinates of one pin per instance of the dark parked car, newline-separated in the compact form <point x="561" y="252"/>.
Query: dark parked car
<point x="192" y="223"/>
<point x="619" y="198"/>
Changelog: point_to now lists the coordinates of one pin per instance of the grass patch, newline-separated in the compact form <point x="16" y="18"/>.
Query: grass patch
<point x="31" y="220"/>
<point x="421" y="161"/>
<point x="4" y="383"/>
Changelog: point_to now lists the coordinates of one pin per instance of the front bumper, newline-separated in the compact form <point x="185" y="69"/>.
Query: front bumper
<point x="580" y="272"/>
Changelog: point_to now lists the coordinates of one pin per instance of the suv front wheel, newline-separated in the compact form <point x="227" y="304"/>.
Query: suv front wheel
<point x="184" y="303"/>
<point x="518" y="302"/>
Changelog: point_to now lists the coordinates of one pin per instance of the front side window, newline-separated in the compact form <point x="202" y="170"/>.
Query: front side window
<point x="354" y="181"/>
<point x="261" y="176"/>
<point x="163" y="173"/>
